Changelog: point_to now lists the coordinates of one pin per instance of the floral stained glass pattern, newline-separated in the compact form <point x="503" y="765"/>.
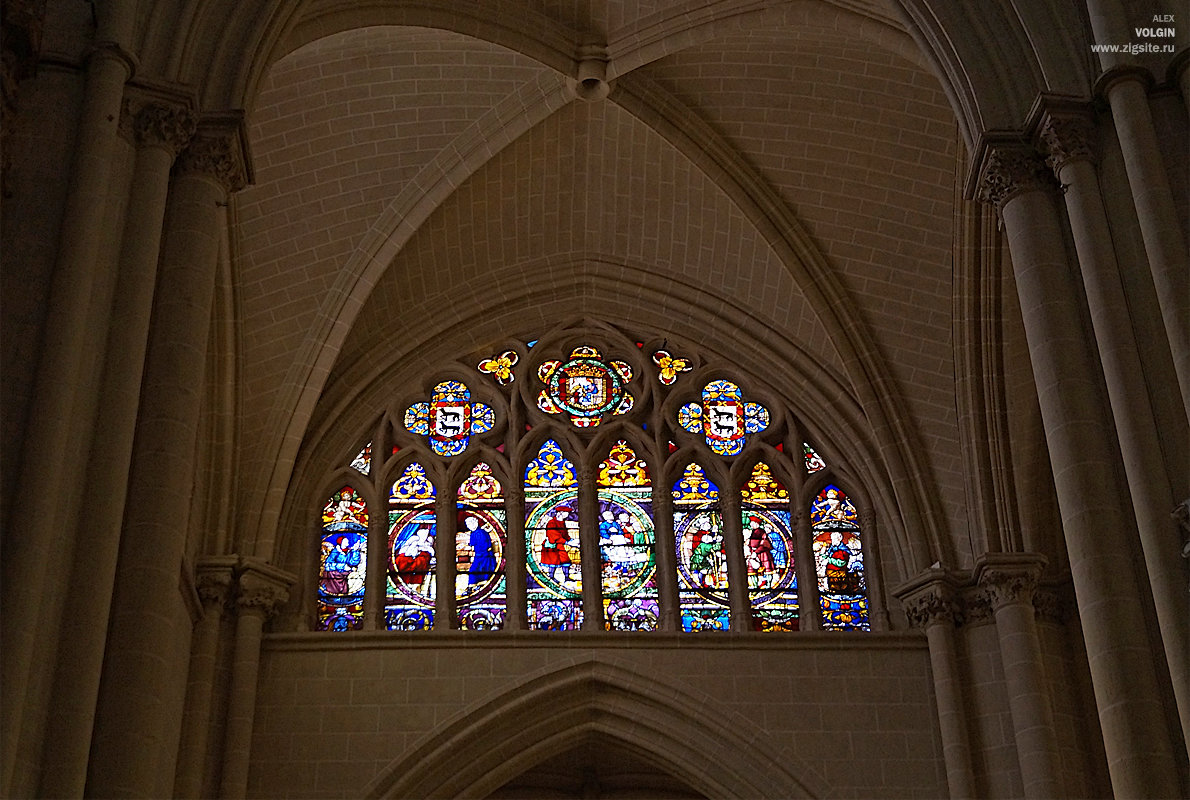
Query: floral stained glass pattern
<point x="409" y="601"/>
<point x="769" y="551"/>
<point x="500" y="367"/>
<point x="723" y="417"/>
<point x="554" y="580"/>
<point x="627" y="563"/>
<point x="449" y="419"/>
<point x="669" y="366"/>
<point x="343" y="562"/>
<point x="702" y="560"/>
<point x="480" y="542"/>
<point x="585" y="387"/>
<point x="839" y="561"/>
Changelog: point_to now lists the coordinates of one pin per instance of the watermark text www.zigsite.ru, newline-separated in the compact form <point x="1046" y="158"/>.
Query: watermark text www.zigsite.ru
<point x="1162" y="29"/>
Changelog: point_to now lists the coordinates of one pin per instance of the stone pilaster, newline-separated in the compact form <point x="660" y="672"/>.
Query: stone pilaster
<point x="261" y="591"/>
<point x="214" y="581"/>
<point x="931" y="604"/>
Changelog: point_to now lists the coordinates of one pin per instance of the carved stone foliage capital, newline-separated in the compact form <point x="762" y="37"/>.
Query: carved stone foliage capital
<point x="1007" y="585"/>
<point x="260" y="594"/>
<point x="1010" y="170"/>
<point x="977" y="607"/>
<point x="216" y="154"/>
<point x="161" y="125"/>
<point x="1067" y="139"/>
<point x="932" y="605"/>
<point x="213" y="586"/>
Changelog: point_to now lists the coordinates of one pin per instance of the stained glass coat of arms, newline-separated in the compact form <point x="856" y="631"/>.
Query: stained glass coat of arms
<point x="723" y="417"/>
<point x="449" y="419"/>
<point x="585" y="387"/>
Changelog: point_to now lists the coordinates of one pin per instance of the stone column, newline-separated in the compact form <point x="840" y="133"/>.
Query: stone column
<point x="1010" y="580"/>
<point x="214" y="583"/>
<point x="739" y="599"/>
<point x="37" y="547"/>
<point x="1126" y="90"/>
<point x="667" y="559"/>
<point x="514" y="563"/>
<point x="592" y="570"/>
<point x="376" y="568"/>
<point x="261" y="592"/>
<point x="133" y="745"/>
<point x="1095" y="521"/>
<point x="1068" y="136"/>
<point x="160" y="129"/>
<point x="930" y="605"/>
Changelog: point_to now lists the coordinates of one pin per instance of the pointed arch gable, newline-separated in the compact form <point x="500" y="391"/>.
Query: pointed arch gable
<point x="494" y="741"/>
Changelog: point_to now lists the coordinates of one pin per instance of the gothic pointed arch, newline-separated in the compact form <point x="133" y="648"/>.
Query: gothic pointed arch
<point x="489" y="744"/>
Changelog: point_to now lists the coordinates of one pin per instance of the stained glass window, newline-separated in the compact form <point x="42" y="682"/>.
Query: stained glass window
<point x="554" y="580"/>
<point x="669" y="366"/>
<point x="479" y="552"/>
<point x="343" y="562"/>
<point x="450" y="418"/>
<point x="814" y="462"/>
<point x="768" y="552"/>
<point x="363" y="461"/>
<point x="409" y="602"/>
<point x="723" y="417"/>
<point x="627" y="562"/>
<point x="839" y="561"/>
<point x="500" y="367"/>
<point x="702" y="559"/>
<point x="585" y="387"/>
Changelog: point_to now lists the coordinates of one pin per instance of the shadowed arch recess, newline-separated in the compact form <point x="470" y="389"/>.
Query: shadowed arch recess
<point x="487" y="746"/>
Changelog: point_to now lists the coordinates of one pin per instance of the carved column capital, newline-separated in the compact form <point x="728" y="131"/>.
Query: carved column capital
<point x="930" y="599"/>
<point x="262" y="589"/>
<point x="218" y="151"/>
<point x="213" y="587"/>
<point x="169" y="127"/>
<point x="1066" y="138"/>
<point x="1010" y="577"/>
<point x="1010" y="169"/>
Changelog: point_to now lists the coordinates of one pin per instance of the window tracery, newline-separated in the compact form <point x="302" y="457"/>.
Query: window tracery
<point x="593" y="443"/>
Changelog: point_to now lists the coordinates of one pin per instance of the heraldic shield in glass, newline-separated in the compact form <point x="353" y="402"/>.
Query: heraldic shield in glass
<point x="723" y="417"/>
<point x="702" y="560"/>
<point x="450" y="419"/>
<point x="627" y="563"/>
<point x="409" y="602"/>
<point x="585" y="387"/>
<point x="839" y="561"/>
<point x="343" y="562"/>
<point x="768" y="552"/>
<point x="554" y="579"/>
<point x="480" y="598"/>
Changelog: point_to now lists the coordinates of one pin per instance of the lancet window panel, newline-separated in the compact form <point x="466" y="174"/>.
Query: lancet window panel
<point x="558" y="452"/>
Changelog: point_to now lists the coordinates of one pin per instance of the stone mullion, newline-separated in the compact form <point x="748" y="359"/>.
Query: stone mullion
<point x="261" y="591"/>
<point x="930" y="604"/>
<point x="667" y="560"/>
<point x="161" y="130"/>
<point x="1010" y="580"/>
<point x="592" y="571"/>
<point x="515" y="618"/>
<point x="214" y="583"/>
<point x="38" y="547"/>
<point x="1094" y="523"/>
<point x="132" y="736"/>
<point x="376" y="572"/>
<point x="739" y="600"/>
<point x="1069" y="137"/>
<point x="446" y="523"/>
<point x="810" y="608"/>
